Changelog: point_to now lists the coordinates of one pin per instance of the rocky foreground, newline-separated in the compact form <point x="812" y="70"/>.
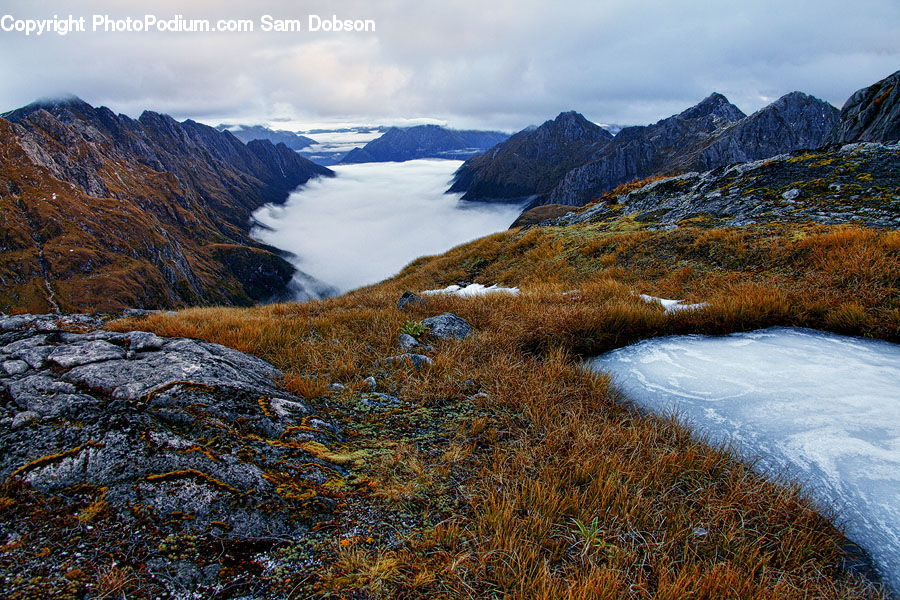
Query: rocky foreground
<point x="178" y="461"/>
<point x="176" y="435"/>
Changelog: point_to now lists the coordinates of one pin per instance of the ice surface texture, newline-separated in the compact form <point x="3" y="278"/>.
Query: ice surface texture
<point x="821" y="408"/>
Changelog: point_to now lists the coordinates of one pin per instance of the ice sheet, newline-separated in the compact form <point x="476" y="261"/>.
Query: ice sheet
<point x="822" y="408"/>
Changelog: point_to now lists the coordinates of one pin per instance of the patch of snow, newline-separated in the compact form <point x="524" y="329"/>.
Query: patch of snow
<point x="672" y="305"/>
<point x="473" y="289"/>
<point x="820" y="408"/>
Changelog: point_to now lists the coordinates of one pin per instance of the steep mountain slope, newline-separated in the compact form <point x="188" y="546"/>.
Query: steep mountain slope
<point x="424" y="141"/>
<point x="872" y="114"/>
<point x="248" y="133"/>
<point x="532" y="161"/>
<point x="712" y="134"/>
<point x="640" y="151"/>
<point x="793" y="122"/>
<point x="101" y="211"/>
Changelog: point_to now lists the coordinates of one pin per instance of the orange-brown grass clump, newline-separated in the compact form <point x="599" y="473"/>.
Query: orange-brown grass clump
<point x="542" y="484"/>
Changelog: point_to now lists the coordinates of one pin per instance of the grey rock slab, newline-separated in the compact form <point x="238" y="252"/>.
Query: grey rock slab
<point x="19" y="346"/>
<point x="180" y="360"/>
<point x="35" y="357"/>
<point x="24" y="418"/>
<point x="83" y="353"/>
<point x="447" y="326"/>
<point x="141" y="341"/>
<point x="38" y="385"/>
<point x="14" y="367"/>
<point x="203" y="439"/>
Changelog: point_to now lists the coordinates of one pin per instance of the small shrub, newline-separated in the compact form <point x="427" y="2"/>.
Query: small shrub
<point x="414" y="328"/>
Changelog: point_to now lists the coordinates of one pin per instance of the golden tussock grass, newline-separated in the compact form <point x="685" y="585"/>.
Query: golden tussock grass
<point x="562" y="490"/>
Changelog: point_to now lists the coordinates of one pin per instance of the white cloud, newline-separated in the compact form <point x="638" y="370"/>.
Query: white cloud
<point x="504" y="63"/>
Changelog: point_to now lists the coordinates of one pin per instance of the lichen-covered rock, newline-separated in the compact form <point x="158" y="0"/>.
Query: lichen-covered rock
<point x="409" y="298"/>
<point x="447" y="326"/>
<point x="176" y="428"/>
<point x="857" y="183"/>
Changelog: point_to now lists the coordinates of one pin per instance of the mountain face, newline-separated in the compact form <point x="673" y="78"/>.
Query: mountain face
<point x="424" y="141"/>
<point x="644" y="150"/>
<point x="793" y="122"/>
<point x="248" y="133"/>
<point x="711" y="134"/>
<point x="532" y="161"/>
<point x="101" y="211"/>
<point x="872" y="114"/>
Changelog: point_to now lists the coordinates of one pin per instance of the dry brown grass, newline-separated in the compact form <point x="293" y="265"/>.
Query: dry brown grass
<point x="569" y="493"/>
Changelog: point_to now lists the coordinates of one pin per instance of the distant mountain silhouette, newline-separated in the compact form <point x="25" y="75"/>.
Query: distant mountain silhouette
<point x="248" y="133"/>
<point x="398" y="144"/>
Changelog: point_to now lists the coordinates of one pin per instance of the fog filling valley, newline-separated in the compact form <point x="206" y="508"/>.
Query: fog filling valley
<point x="371" y="220"/>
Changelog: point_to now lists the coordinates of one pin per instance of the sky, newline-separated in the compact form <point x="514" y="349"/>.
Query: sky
<point x="500" y="64"/>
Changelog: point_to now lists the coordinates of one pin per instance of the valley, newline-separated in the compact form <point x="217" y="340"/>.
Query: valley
<point x="227" y="371"/>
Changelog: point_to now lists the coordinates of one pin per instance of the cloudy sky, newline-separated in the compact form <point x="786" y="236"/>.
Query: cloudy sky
<point x="469" y="63"/>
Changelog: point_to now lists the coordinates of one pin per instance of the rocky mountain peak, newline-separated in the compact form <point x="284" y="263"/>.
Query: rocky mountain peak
<point x="65" y="108"/>
<point x="715" y="105"/>
<point x="571" y="126"/>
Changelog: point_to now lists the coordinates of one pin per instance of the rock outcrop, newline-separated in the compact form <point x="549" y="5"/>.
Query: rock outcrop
<point x="859" y="183"/>
<point x="174" y="431"/>
<point x="104" y="212"/>
<point x="872" y="114"/>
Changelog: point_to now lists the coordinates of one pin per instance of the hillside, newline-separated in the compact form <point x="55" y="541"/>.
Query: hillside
<point x="100" y="211"/>
<point x="399" y="144"/>
<point x="445" y="466"/>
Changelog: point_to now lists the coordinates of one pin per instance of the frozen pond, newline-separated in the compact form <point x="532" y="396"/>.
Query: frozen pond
<point x="372" y="220"/>
<point x="822" y="408"/>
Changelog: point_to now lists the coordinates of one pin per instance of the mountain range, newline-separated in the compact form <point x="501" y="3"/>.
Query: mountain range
<point x="424" y="141"/>
<point x="101" y="211"/>
<point x="532" y="164"/>
<point x="248" y="133"/>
